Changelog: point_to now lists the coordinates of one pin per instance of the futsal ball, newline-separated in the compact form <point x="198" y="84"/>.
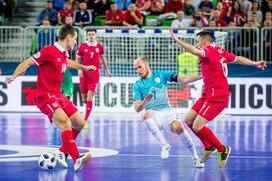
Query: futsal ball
<point x="47" y="161"/>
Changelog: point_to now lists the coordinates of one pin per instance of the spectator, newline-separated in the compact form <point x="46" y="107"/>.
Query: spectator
<point x="227" y="4"/>
<point x="58" y="4"/>
<point x="179" y="22"/>
<point x="224" y="13"/>
<point x="200" y="20"/>
<point x="245" y="6"/>
<point x="132" y="16"/>
<point x="69" y="20"/>
<point x="256" y="6"/>
<point x="219" y="22"/>
<point x="157" y="7"/>
<point x="66" y="11"/>
<point x="268" y="40"/>
<point x="101" y="7"/>
<point x="254" y="20"/>
<point x="268" y="16"/>
<point x="143" y="6"/>
<point x="206" y="7"/>
<point x="47" y="35"/>
<point x="114" y="16"/>
<point x="188" y="9"/>
<point x="237" y="15"/>
<point x="267" y="6"/>
<point x="212" y="23"/>
<point x="123" y="4"/>
<point x="82" y="17"/>
<point x="48" y="12"/>
<point x="233" y="37"/>
<point x="173" y="6"/>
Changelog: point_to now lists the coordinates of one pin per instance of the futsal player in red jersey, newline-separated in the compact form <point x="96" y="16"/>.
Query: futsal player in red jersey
<point x="90" y="53"/>
<point x="215" y="95"/>
<point x="52" y="62"/>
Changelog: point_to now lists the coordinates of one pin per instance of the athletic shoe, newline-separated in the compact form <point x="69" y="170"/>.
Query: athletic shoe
<point x="165" y="151"/>
<point x="207" y="153"/>
<point x="198" y="164"/>
<point x="81" y="161"/>
<point x="62" y="158"/>
<point x="223" y="156"/>
<point x="85" y="125"/>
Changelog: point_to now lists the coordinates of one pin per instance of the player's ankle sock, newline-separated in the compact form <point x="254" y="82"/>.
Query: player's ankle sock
<point x="89" y="106"/>
<point x="206" y="144"/>
<point x="211" y="138"/>
<point x="75" y="133"/>
<point x="155" y="130"/>
<point x="69" y="144"/>
<point x="188" y="143"/>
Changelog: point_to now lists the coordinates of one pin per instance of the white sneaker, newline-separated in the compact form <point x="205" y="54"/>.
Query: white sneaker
<point x="61" y="157"/>
<point x="81" y="161"/>
<point x="165" y="151"/>
<point x="198" y="164"/>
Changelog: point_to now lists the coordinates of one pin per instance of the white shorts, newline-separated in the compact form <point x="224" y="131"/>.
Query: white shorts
<point x="164" y="118"/>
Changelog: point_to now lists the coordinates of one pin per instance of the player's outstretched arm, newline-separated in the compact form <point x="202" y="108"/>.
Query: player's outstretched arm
<point x="245" y="61"/>
<point x="140" y="105"/>
<point x="20" y="70"/>
<point x="189" y="79"/>
<point x="76" y="65"/>
<point x="188" y="47"/>
<point x="103" y="59"/>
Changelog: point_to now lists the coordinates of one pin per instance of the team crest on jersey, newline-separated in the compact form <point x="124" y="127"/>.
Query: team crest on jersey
<point x="58" y="59"/>
<point x="37" y="55"/>
<point x="157" y="79"/>
<point x="97" y="50"/>
<point x="55" y="104"/>
<point x="86" y="50"/>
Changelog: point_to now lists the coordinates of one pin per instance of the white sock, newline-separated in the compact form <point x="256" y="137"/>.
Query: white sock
<point x="155" y="130"/>
<point x="188" y="143"/>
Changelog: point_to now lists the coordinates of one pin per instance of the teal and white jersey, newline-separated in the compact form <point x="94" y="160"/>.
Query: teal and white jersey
<point x="155" y="85"/>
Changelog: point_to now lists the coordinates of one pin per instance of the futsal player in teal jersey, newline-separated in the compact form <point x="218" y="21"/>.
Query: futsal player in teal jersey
<point x="150" y="93"/>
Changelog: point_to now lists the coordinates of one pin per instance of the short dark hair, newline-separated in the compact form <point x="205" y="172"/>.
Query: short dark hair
<point x="65" y="31"/>
<point x="91" y="30"/>
<point x="206" y="34"/>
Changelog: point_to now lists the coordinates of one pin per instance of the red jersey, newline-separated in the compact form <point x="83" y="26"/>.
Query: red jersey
<point x="90" y="55"/>
<point x="52" y="62"/>
<point x="131" y="20"/>
<point x="63" y="13"/>
<point x="214" y="70"/>
<point x="115" y="17"/>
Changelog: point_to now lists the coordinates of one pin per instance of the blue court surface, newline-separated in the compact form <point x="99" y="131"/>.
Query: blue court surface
<point x="124" y="150"/>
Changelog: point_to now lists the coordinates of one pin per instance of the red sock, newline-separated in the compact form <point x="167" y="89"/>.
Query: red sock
<point x="75" y="133"/>
<point x="211" y="138"/>
<point x="89" y="106"/>
<point x="69" y="144"/>
<point x="202" y="139"/>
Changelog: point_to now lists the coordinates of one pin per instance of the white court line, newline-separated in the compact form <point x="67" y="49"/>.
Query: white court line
<point x="188" y="156"/>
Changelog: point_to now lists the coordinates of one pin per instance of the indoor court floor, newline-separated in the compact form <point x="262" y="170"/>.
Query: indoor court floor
<point x="124" y="150"/>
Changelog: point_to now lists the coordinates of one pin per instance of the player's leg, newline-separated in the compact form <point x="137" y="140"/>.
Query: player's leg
<point x="208" y="148"/>
<point x="178" y="128"/>
<point x="149" y="119"/>
<point x="83" y="87"/>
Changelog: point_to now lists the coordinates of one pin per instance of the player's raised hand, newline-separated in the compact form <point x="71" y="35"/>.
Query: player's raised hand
<point x="9" y="79"/>
<point x="261" y="64"/>
<point x="90" y="68"/>
<point x="174" y="37"/>
<point x="109" y="73"/>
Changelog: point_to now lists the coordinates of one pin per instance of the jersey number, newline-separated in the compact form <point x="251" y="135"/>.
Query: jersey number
<point x="92" y="54"/>
<point x="63" y="67"/>
<point x="224" y="67"/>
<point x="154" y="94"/>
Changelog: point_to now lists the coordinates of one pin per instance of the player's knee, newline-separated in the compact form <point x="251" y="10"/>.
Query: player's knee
<point x="147" y="115"/>
<point x="177" y="127"/>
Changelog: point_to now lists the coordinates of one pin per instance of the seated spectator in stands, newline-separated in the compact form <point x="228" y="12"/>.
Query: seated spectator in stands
<point x="144" y="6"/>
<point x="157" y="7"/>
<point x="206" y="6"/>
<point x="58" y="4"/>
<point x="256" y="7"/>
<point x="50" y="13"/>
<point x="224" y="13"/>
<point x="245" y="6"/>
<point x="268" y="40"/>
<point x="123" y="4"/>
<point x="66" y="11"/>
<point x="73" y="4"/>
<point x="227" y="4"/>
<point x="173" y="6"/>
<point x="200" y="20"/>
<point x="237" y="15"/>
<point x="46" y="35"/>
<point x="268" y="16"/>
<point x="212" y="23"/>
<point x="114" y="16"/>
<point x="101" y="7"/>
<point x="218" y="20"/>
<point x="82" y="17"/>
<point x="267" y="6"/>
<point x="132" y="16"/>
<point x="253" y="19"/>
<point x="179" y="22"/>
<point x="69" y="20"/>
<point x="188" y="9"/>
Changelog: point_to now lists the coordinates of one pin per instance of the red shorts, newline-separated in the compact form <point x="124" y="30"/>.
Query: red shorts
<point x="88" y="84"/>
<point x="210" y="107"/>
<point x="48" y="104"/>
